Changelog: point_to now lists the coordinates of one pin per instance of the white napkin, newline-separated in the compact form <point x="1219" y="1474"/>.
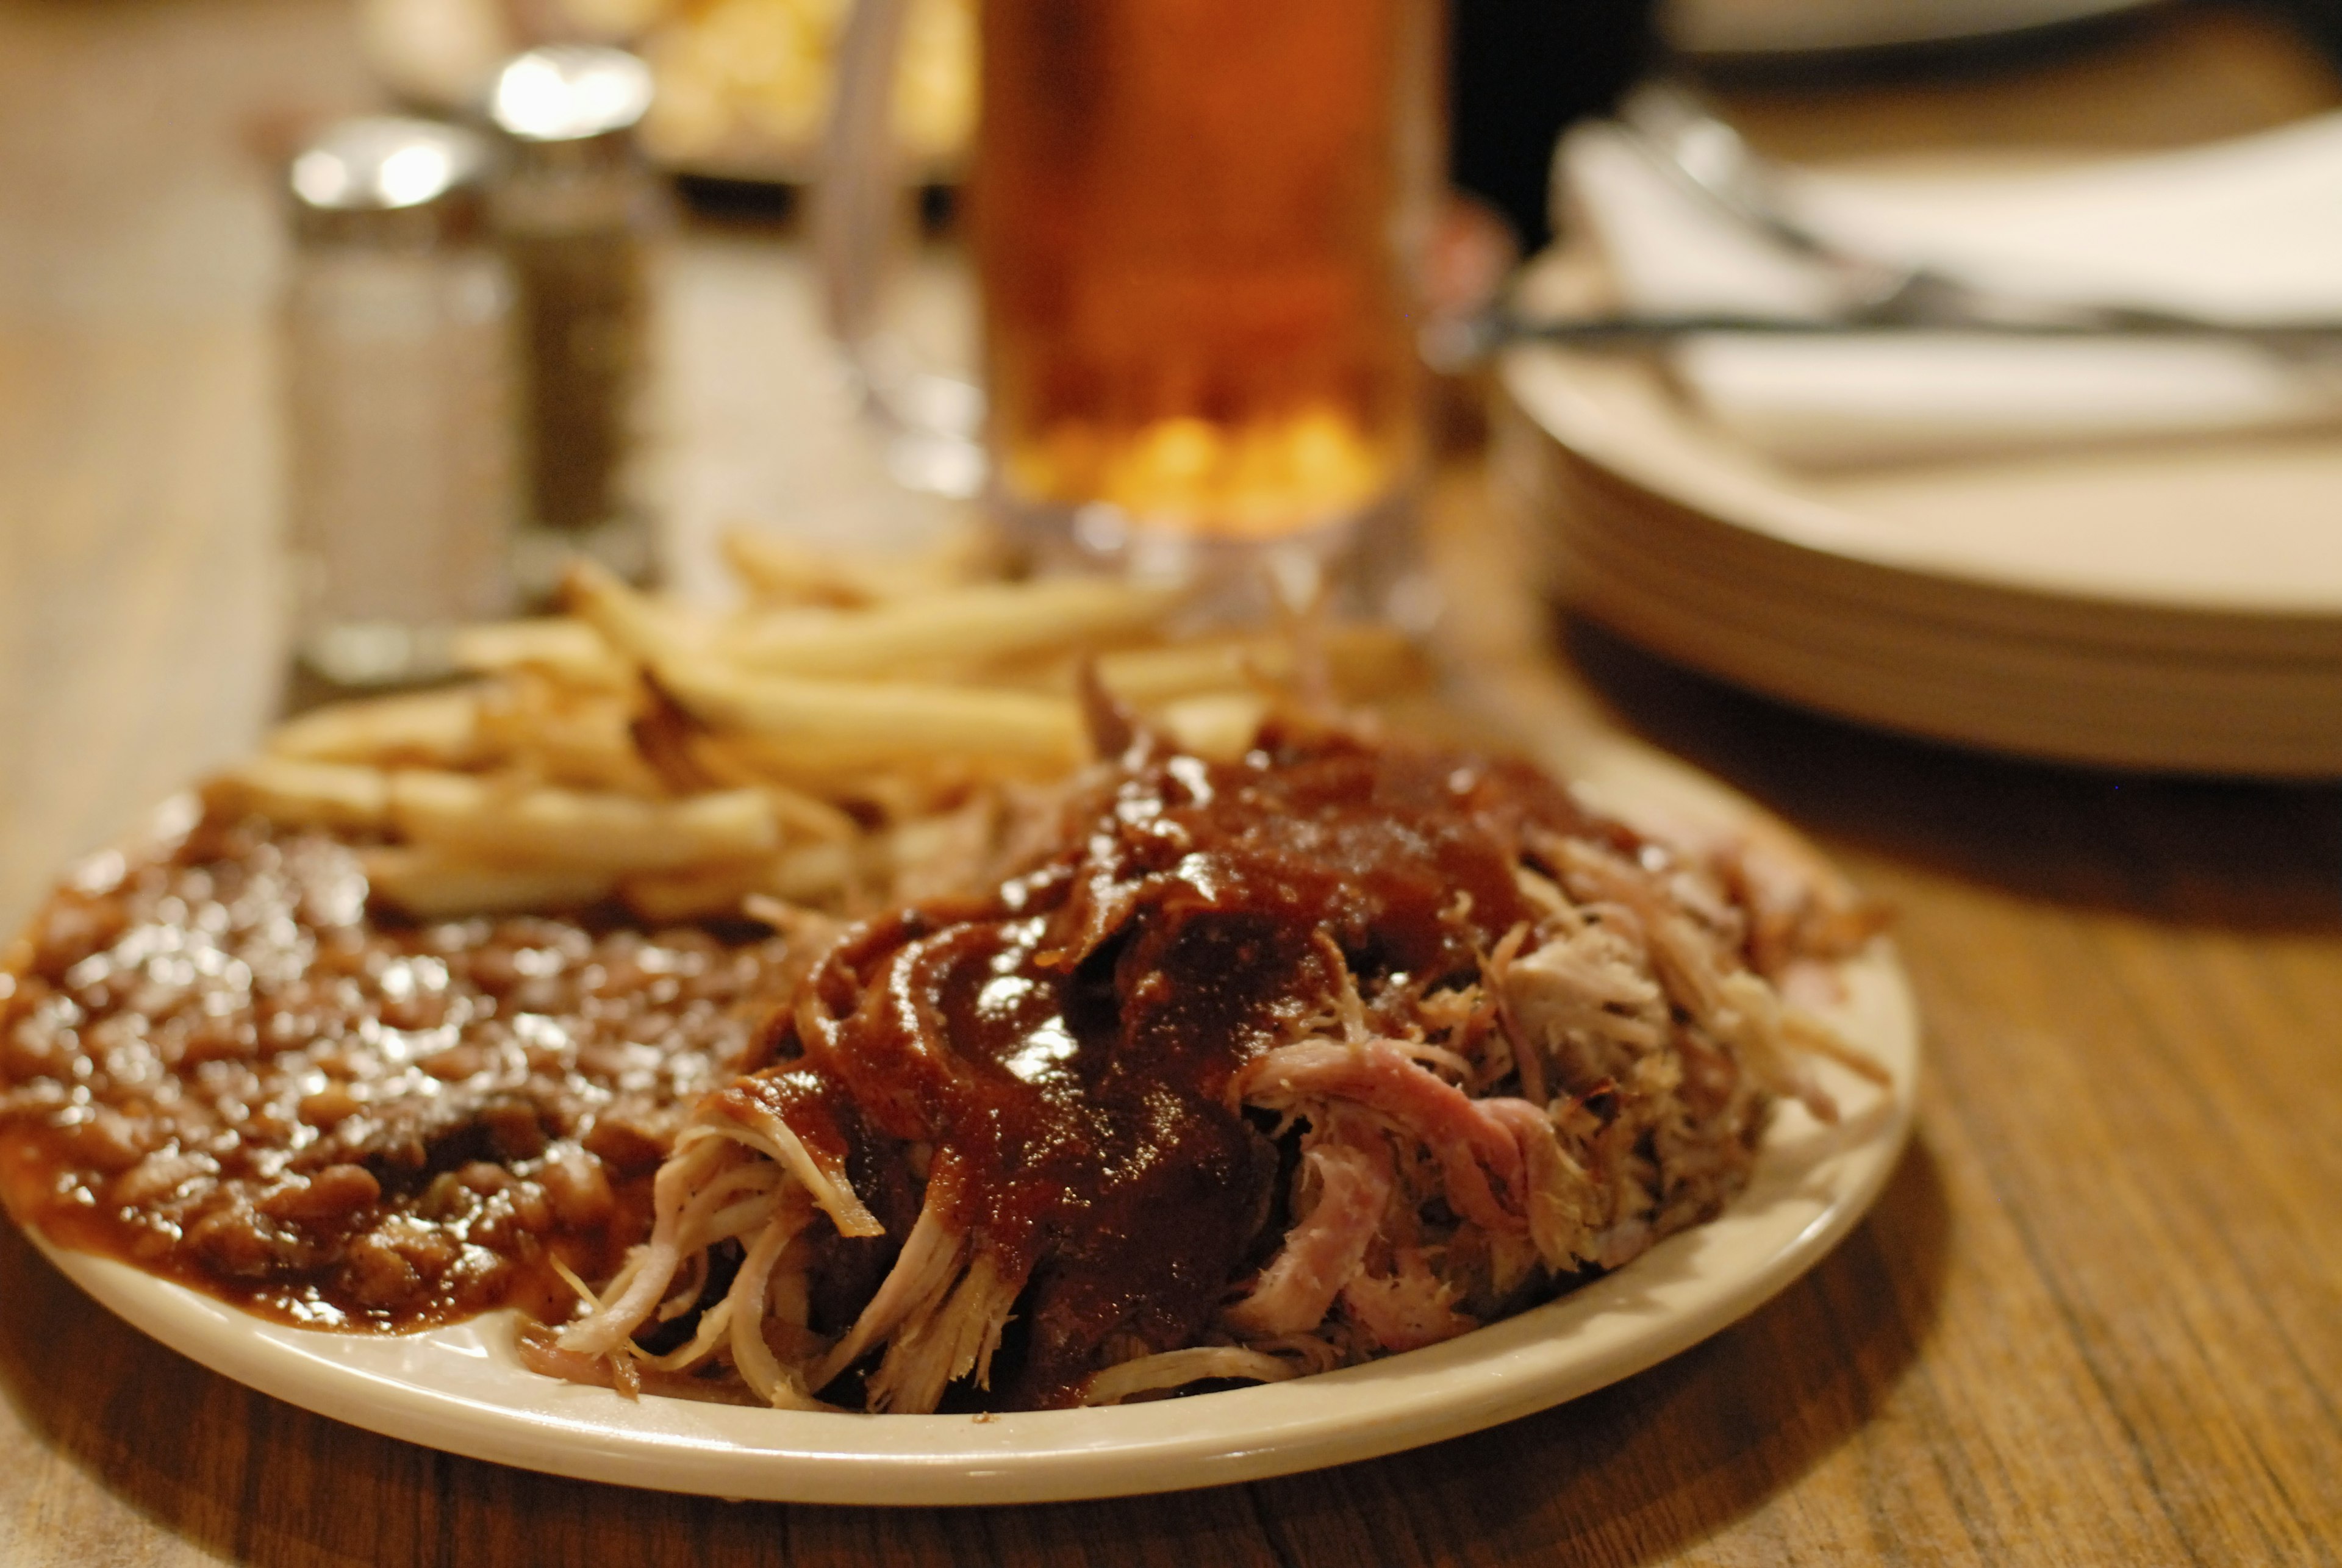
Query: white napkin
<point x="2244" y="230"/>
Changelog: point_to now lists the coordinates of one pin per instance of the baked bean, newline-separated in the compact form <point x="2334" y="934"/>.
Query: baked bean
<point x="228" y="1073"/>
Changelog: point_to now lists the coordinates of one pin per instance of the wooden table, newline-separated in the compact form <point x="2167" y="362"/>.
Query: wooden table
<point x="2096" y="1318"/>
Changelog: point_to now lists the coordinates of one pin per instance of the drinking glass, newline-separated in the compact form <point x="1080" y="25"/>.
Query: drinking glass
<point x="1195" y="226"/>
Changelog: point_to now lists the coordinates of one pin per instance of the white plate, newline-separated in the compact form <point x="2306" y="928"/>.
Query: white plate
<point x="2221" y="545"/>
<point x="2175" y="606"/>
<point x="1793" y="26"/>
<point x="2033" y="699"/>
<point x="461" y="1389"/>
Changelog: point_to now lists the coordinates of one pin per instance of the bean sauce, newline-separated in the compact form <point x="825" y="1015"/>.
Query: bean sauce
<point x="217" y="1065"/>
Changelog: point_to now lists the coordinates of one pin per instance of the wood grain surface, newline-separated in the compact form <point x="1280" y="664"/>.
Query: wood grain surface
<point x="2096" y="1317"/>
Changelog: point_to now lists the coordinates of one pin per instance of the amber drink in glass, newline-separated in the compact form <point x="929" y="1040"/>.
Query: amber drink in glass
<point x="1193" y="222"/>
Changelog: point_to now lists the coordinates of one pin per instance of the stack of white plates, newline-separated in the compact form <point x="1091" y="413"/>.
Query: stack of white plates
<point x="2175" y="605"/>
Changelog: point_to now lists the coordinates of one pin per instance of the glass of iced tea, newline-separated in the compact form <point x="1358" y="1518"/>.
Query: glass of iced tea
<point x="1195" y="224"/>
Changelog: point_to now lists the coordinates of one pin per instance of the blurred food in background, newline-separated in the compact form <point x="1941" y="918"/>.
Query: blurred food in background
<point x="741" y="81"/>
<point x="743" y="84"/>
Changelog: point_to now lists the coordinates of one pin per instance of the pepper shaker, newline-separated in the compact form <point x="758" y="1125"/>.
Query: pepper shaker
<point x="575" y="209"/>
<point x="399" y="354"/>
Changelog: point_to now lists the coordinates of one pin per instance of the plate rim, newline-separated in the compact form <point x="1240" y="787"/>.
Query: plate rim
<point x="1922" y="692"/>
<point x="1549" y="389"/>
<point x="1507" y="1370"/>
<point x="1837" y="627"/>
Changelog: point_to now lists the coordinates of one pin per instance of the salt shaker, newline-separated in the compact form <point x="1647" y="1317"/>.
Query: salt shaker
<point x="397" y="323"/>
<point x="574" y="209"/>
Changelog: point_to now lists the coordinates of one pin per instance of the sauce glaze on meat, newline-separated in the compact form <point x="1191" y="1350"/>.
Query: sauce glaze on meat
<point x="1067" y="1048"/>
<point x="216" y="1065"/>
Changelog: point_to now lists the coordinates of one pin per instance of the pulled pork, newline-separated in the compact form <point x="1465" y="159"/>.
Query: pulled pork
<point x="1231" y="1071"/>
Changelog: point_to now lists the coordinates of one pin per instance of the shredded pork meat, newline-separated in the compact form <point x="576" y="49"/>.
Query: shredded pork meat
<point x="1232" y="1072"/>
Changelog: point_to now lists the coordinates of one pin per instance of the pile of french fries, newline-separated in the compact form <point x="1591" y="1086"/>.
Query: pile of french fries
<point x="847" y="728"/>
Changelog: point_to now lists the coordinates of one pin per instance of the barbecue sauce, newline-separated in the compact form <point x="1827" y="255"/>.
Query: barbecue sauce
<point x="1067" y="1047"/>
<point x="218" y="1066"/>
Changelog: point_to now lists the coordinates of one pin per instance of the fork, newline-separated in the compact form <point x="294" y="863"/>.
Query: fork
<point x="1679" y="136"/>
<point x="1671" y="126"/>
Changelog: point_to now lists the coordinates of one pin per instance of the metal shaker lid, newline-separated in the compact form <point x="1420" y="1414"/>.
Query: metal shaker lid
<point x="391" y="180"/>
<point x="570" y="92"/>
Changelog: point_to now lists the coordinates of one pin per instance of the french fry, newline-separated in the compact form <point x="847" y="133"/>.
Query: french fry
<point x="720" y="758"/>
<point x="607" y="833"/>
<point x="1366" y="662"/>
<point x="562" y="646"/>
<point x="783" y="571"/>
<point x="300" y="794"/>
<point x="861" y="723"/>
<point x="840" y="723"/>
<point x="580" y="738"/>
<point x="842" y="739"/>
<point x="892" y="794"/>
<point x="815" y="872"/>
<point x="1220" y="726"/>
<point x="431" y="884"/>
<point x="800" y="814"/>
<point x="433" y="729"/>
<point x="788" y="572"/>
<point x="1146" y="676"/>
<point x="701" y="893"/>
<point x="875" y="722"/>
<point x="960" y="628"/>
<point x="632" y="622"/>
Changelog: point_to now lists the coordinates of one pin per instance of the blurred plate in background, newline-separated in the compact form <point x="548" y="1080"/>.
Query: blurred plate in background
<point x="1737" y="28"/>
<point x="2169" y="605"/>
